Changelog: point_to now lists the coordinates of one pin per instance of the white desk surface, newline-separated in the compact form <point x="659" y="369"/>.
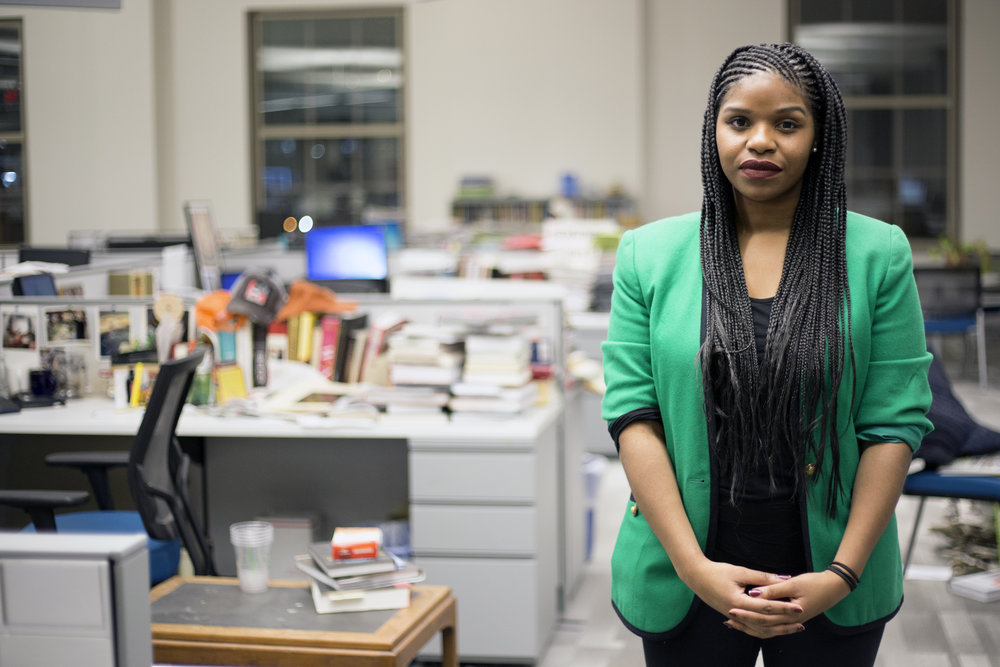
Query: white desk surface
<point x="97" y="416"/>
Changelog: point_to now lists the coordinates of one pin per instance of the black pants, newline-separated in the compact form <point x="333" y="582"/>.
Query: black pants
<point x="706" y="642"/>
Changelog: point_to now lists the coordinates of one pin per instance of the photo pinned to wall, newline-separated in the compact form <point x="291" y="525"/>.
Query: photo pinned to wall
<point x="115" y="331"/>
<point x="65" y="324"/>
<point x="70" y="368"/>
<point x="20" y="330"/>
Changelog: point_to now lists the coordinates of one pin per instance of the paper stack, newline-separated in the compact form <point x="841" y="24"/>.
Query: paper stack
<point x="496" y="379"/>
<point x="981" y="586"/>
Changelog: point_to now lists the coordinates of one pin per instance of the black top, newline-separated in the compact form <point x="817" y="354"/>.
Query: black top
<point x="764" y="529"/>
<point x="758" y="485"/>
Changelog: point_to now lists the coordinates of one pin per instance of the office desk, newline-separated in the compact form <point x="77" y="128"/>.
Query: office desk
<point x="209" y="621"/>
<point x="485" y="500"/>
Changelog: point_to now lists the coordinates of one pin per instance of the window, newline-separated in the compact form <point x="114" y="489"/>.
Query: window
<point x="894" y="61"/>
<point x="327" y="116"/>
<point x="12" y="213"/>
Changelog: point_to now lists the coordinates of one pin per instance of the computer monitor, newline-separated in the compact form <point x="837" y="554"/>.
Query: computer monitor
<point x="57" y="255"/>
<point x="348" y="257"/>
<point x="37" y="284"/>
<point x="74" y="599"/>
<point x="207" y="259"/>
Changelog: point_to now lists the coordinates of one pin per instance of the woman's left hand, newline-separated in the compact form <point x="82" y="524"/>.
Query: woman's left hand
<point x="815" y="592"/>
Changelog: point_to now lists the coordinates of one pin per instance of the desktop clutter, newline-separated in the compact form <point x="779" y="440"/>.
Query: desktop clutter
<point x="354" y="571"/>
<point x="311" y="356"/>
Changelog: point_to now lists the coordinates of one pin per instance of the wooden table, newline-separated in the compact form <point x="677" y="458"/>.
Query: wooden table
<point x="209" y="621"/>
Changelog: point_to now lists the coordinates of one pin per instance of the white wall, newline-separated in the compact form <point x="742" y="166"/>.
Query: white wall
<point x="979" y="140"/>
<point x="89" y="119"/>
<point x="523" y="90"/>
<point x="687" y="42"/>
<point x="130" y="113"/>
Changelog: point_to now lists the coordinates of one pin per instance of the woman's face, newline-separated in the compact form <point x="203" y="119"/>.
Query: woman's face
<point x="765" y="133"/>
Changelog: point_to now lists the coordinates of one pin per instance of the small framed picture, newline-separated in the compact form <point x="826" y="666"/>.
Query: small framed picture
<point x="65" y="325"/>
<point x="20" y="330"/>
<point x="115" y="331"/>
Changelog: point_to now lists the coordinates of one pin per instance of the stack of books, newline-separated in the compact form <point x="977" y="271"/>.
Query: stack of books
<point x="357" y="584"/>
<point x="423" y="360"/>
<point x="496" y="379"/>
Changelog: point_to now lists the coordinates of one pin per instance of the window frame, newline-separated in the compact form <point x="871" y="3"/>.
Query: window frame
<point x="261" y="133"/>
<point x="949" y="102"/>
<point x="19" y="137"/>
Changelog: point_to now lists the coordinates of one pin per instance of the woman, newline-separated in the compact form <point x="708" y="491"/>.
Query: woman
<point x="766" y="386"/>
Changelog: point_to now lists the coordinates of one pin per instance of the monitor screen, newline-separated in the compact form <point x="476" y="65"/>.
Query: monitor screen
<point x="346" y="253"/>
<point x="39" y="284"/>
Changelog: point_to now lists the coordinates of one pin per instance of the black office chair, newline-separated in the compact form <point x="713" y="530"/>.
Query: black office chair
<point x="158" y="481"/>
<point x="951" y="300"/>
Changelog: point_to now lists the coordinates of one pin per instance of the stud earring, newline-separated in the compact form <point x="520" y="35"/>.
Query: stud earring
<point x="815" y="149"/>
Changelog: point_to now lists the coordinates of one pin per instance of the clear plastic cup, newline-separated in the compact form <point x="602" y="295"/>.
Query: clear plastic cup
<point x="252" y="541"/>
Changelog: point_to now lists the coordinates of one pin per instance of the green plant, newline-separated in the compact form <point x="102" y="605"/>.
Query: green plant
<point x="957" y="253"/>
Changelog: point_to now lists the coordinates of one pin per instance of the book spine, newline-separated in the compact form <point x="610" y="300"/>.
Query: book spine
<point x="293" y="338"/>
<point x="330" y="328"/>
<point x="259" y="355"/>
<point x="243" y="339"/>
<point x="303" y="352"/>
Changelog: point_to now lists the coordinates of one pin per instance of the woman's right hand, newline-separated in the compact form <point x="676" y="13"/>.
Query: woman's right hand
<point x="723" y="587"/>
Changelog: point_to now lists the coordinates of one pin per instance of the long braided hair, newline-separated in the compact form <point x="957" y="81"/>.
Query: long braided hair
<point x="786" y="409"/>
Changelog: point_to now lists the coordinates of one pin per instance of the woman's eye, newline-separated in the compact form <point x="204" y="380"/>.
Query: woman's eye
<point x="739" y="122"/>
<point x="788" y="125"/>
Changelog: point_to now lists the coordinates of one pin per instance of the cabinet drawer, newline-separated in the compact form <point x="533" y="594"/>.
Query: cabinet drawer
<point x="487" y="476"/>
<point x="498" y="607"/>
<point x="479" y="530"/>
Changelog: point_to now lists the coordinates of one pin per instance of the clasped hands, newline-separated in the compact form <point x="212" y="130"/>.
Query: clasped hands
<point x="762" y="604"/>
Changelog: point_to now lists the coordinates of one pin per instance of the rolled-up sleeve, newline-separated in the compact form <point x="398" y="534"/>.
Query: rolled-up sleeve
<point x="627" y="361"/>
<point x="896" y="395"/>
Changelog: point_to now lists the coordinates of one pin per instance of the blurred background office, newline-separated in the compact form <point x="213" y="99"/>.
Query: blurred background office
<point x="112" y="118"/>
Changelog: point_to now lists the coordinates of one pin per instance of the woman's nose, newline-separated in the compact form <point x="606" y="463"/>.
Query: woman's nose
<point x="760" y="139"/>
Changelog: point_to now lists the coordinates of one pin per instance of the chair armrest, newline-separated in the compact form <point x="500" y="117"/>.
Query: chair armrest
<point x="40" y="505"/>
<point x="95" y="466"/>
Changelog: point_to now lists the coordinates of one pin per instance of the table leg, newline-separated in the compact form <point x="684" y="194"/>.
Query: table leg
<point x="449" y="650"/>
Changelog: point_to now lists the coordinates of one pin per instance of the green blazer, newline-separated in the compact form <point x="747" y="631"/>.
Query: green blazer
<point x="650" y="360"/>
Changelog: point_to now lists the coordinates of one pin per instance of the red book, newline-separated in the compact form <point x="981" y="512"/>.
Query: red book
<point x="330" y="332"/>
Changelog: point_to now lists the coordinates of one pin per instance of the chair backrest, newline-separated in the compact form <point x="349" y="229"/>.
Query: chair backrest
<point x="157" y="468"/>
<point x="948" y="292"/>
